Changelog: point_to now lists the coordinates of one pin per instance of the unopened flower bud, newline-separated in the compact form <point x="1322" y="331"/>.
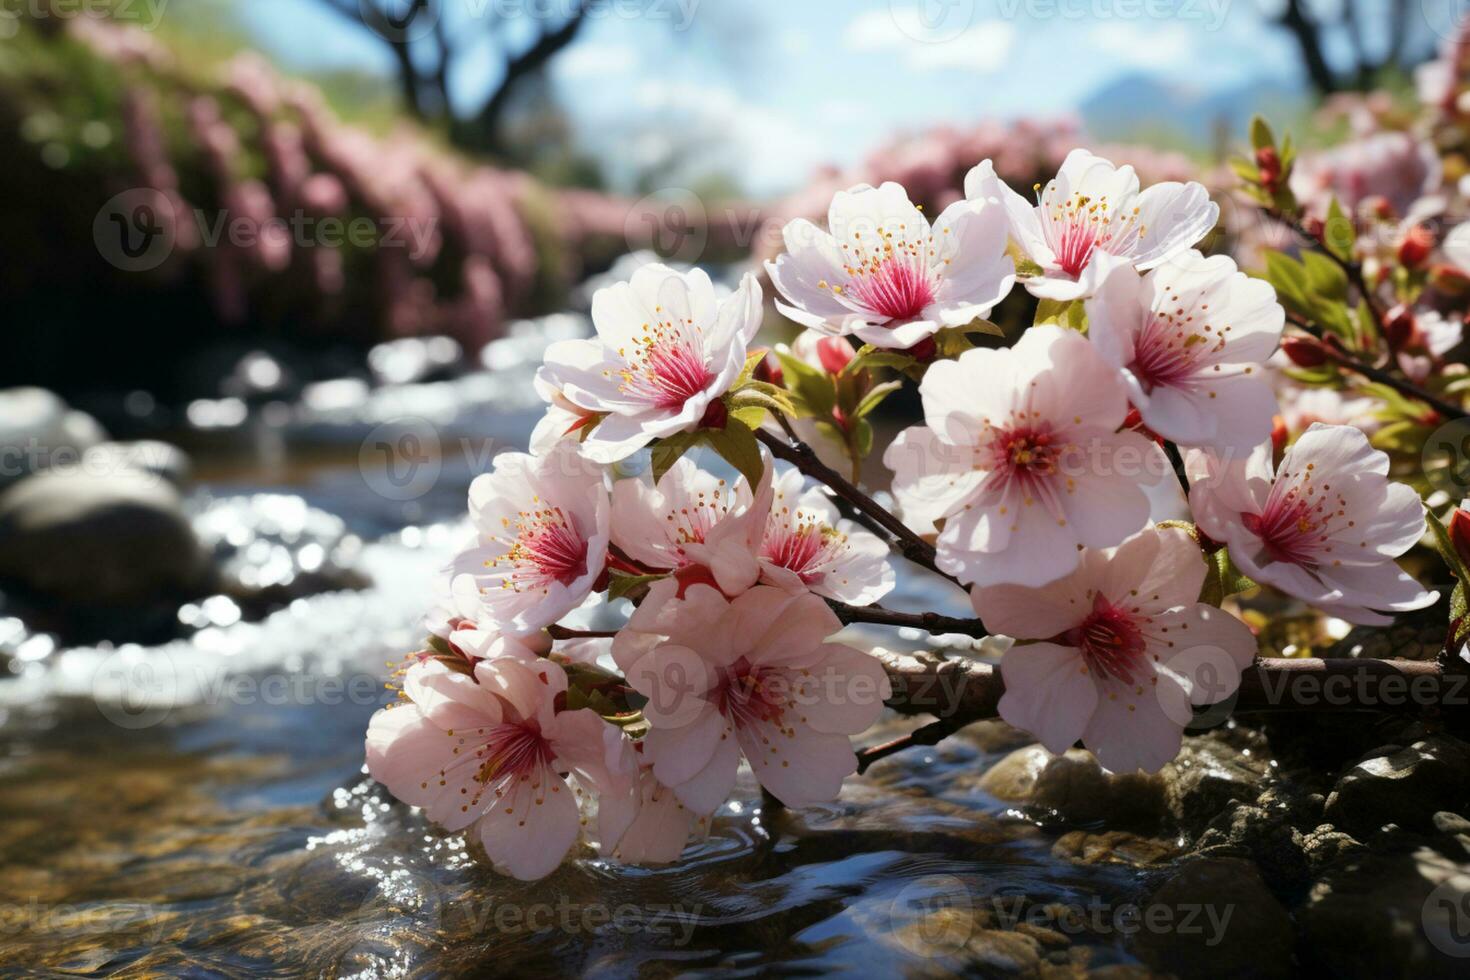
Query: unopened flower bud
<point x="1449" y="279"/>
<point x="1460" y="533"/>
<point x="715" y="416"/>
<point x="769" y="370"/>
<point x="924" y="351"/>
<point x="1303" y="352"/>
<point x="1380" y="207"/>
<point x="1415" y="246"/>
<point x="1399" y="327"/>
<point x="835" y="353"/>
<point x="1268" y="164"/>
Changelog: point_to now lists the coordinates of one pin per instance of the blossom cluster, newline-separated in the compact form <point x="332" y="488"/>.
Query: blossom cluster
<point x="1038" y="471"/>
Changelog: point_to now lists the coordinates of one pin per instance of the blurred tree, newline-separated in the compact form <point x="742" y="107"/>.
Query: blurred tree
<point x="1379" y="37"/>
<point x="429" y="37"/>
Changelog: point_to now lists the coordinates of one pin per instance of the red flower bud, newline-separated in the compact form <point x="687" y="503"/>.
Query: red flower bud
<point x="1278" y="436"/>
<point x="1415" y="246"/>
<point x="715" y="416"/>
<point x="1379" y="207"/>
<point x="1314" y="228"/>
<point x="924" y="351"/>
<point x="1399" y="327"/>
<point x="1449" y="279"/>
<point x="769" y="371"/>
<point x="1268" y="164"/>
<point x="1460" y="534"/>
<point x="1304" y="353"/>
<point x="835" y="353"/>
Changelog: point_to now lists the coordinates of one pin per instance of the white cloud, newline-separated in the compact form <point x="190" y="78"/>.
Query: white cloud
<point x="981" y="47"/>
<point x="590" y="61"/>
<point x="742" y="136"/>
<point x="1168" y="46"/>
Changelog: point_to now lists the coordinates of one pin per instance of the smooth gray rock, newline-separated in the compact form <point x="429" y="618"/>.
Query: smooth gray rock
<point x="117" y="540"/>
<point x="1215" y="917"/>
<point x="1406" y="787"/>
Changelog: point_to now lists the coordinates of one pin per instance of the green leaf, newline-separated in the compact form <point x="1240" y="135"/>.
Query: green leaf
<point x="737" y="445"/>
<point x="875" y="397"/>
<point x="1222" y="579"/>
<point x="881" y="358"/>
<point x="1028" y="267"/>
<point x="1071" y="314"/>
<point x="752" y="415"/>
<point x="1447" y="549"/>
<point x="862" y="437"/>
<point x="1338" y="236"/>
<point x="752" y="361"/>
<point x="814" y="388"/>
<point x="765" y="396"/>
<point x="1325" y="277"/>
<point x="669" y="449"/>
<point x="623" y="586"/>
<point x="1261" y="135"/>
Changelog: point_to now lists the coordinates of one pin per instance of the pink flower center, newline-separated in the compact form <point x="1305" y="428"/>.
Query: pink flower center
<point x="1078" y="226"/>
<point x="1300" y="517"/>
<point x="896" y="287"/>
<point x="666" y="366"/>
<point x="1027" y="453"/>
<point x="804" y="547"/>
<point x="546" y="549"/>
<point x="1111" y="641"/>
<point x="750" y="695"/>
<point x="1172" y="348"/>
<point x="513" y="751"/>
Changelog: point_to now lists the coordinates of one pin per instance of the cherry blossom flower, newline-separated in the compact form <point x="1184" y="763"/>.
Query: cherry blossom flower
<point x="1091" y="218"/>
<point x="1433" y="336"/>
<point x="1325" y="528"/>
<point x="807" y="545"/>
<point x="665" y="350"/>
<point x="747" y="676"/>
<point x="1021" y="457"/>
<point x="543" y="535"/>
<point x="882" y="273"/>
<point x="1190" y="338"/>
<point x="693" y="522"/>
<point x="491" y="750"/>
<point x="1126" y="649"/>
<point x="563" y="419"/>
<point x="648" y="824"/>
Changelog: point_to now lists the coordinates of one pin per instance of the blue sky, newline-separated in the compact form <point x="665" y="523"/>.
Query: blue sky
<point x="782" y="86"/>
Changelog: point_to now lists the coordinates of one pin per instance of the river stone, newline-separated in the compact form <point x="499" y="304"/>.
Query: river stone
<point x="1225" y="923"/>
<point x="1389" y="915"/>
<point x="1076" y="788"/>
<point x="1326" y="846"/>
<point x="1407" y="787"/>
<point x="38" y="430"/>
<point x="117" y="540"/>
<point x="1112" y="847"/>
<point x="1209" y="774"/>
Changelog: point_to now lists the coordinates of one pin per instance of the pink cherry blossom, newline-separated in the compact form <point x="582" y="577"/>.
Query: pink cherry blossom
<point x="1191" y="337"/>
<point x="807" y="545"/>
<point x="1021" y="458"/>
<point x="491" y="750"/>
<point x="1126" y="649"/>
<point x="1326" y="527"/>
<point x="881" y="272"/>
<point x="542" y="526"/>
<point x="691" y="518"/>
<point x="647" y="824"/>
<point x="749" y="676"/>
<point x="665" y="350"/>
<point x="1091" y="218"/>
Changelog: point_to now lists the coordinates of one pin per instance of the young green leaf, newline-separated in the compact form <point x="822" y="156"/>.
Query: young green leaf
<point x="737" y="445"/>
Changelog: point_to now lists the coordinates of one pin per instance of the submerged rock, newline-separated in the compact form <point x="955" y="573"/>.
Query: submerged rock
<point x="39" y="431"/>
<point x="1076" y="788"/>
<point x="1215" y="917"/>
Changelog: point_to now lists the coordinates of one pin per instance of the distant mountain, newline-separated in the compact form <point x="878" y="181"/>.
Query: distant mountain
<point x="1163" y="111"/>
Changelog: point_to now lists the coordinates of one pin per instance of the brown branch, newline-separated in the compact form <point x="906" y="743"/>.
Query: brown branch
<point x="804" y="458"/>
<point x="927" y="621"/>
<point x="1353" y="270"/>
<point x="1403" y="386"/>
<point x="960" y="692"/>
<point x="564" y="633"/>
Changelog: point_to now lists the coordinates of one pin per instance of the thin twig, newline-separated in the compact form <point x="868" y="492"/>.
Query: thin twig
<point x="804" y="458"/>
<point x="1403" y="386"/>
<point x="1353" y="270"/>
<point x="926" y="621"/>
<point x="565" y="633"/>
